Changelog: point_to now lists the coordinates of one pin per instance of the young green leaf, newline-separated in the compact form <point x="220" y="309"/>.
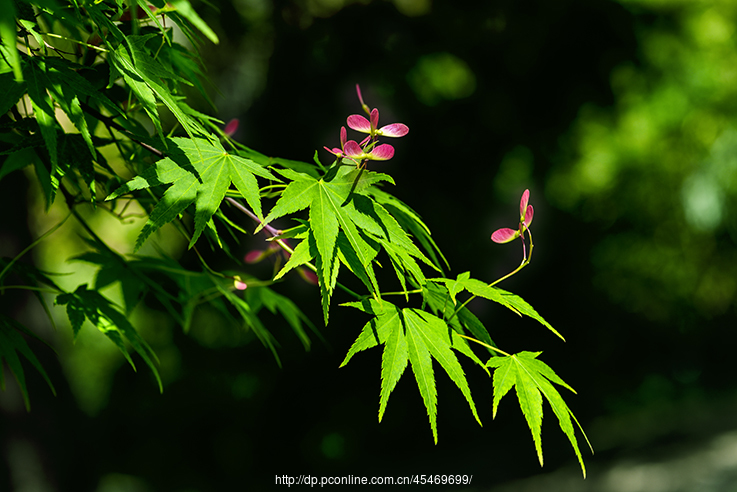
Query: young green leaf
<point x="506" y="299"/>
<point x="402" y="252"/>
<point x="416" y="337"/>
<point x="523" y="307"/>
<point x="201" y="172"/>
<point x="332" y="211"/>
<point x="439" y="301"/>
<point x="303" y="253"/>
<point x="531" y="378"/>
<point x="412" y="223"/>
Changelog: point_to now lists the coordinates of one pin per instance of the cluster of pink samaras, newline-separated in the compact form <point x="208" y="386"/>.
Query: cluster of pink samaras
<point x="368" y="149"/>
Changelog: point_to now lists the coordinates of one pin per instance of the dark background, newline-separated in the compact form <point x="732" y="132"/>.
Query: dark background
<point x="640" y="289"/>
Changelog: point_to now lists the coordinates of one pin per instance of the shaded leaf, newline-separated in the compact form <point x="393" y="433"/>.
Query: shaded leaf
<point x="11" y="90"/>
<point x="91" y="305"/>
<point x="12" y="344"/>
<point x="277" y="303"/>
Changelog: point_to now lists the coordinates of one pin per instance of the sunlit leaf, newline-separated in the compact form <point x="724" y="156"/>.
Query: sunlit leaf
<point x="331" y="211"/>
<point x="411" y="336"/>
<point x="507" y="299"/>
<point x="8" y="37"/>
<point x="531" y="378"/>
<point x="200" y="172"/>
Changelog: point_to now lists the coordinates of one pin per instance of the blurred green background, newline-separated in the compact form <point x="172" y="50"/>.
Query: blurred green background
<point x="620" y="117"/>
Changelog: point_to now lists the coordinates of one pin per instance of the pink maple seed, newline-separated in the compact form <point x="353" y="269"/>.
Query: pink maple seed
<point x="526" y="211"/>
<point x="374" y="119"/>
<point x="382" y="152"/>
<point x="239" y="284"/>
<point x="352" y="149"/>
<point x="523" y="204"/>
<point x="393" y="130"/>
<point x="528" y="216"/>
<point x="504" y="235"/>
<point x="359" y="123"/>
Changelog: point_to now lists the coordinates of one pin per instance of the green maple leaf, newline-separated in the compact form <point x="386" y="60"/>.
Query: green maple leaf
<point x="339" y="230"/>
<point x="411" y="222"/>
<point x="439" y="301"/>
<point x="402" y="252"/>
<point x="91" y="305"/>
<point x="200" y="171"/>
<point x="146" y="76"/>
<point x="415" y="337"/>
<point x="501" y="296"/>
<point x="51" y="83"/>
<point x="347" y="226"/>
<point x="532" y="380"/>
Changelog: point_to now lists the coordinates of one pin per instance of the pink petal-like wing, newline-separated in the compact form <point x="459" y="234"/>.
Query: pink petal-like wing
<point x="352" y="149"/>
<point x="359" y="123"/>
<point x="528" y="216"/>
<point x="374" y="118"/>
<point x="343" y="136"/>
<point x="394" y="130"/>
<point x="382" y="152"/>
<point x="523" y="203"/>
<point x="504" y="235"/>
<point x="239" y="284"/>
